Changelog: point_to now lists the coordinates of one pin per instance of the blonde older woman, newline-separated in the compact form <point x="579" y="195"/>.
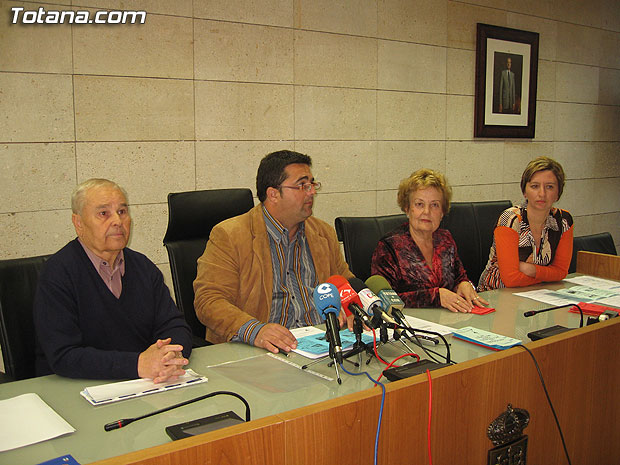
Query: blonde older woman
<point x="532" y="242"/>
<point x="420" y="260"/>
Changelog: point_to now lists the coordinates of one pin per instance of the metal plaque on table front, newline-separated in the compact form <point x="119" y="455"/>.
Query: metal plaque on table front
<point x="506" y="433"/>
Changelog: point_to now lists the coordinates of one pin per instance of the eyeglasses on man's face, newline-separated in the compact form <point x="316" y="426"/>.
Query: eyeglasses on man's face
<point x="306" y="186"/>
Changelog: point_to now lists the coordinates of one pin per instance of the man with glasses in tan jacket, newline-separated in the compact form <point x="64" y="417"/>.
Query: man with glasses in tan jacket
<point x="256" y="277"/>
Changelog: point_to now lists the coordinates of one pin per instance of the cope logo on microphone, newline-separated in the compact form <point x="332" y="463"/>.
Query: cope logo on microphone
<point x="325" y="291"/>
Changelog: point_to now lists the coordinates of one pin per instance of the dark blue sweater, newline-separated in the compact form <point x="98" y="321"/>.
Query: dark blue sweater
<point x="84" y="331"/>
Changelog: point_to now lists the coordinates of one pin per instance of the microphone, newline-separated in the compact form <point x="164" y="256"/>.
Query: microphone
<point x="534" y="312"/>
<point x="349" y="299"/>
<point x="553" y="330"/>
<point x="380" y="286"/>
<point x="125" y="421"/>
<point x="372" y="303"/>
<point x="327" y="302"/>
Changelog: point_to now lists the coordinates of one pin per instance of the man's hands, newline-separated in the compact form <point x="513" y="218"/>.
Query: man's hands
<point x="162" y="361"/>
<point x="275" y="337"/>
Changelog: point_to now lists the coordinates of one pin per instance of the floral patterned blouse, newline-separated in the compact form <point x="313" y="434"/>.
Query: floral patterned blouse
<point x="399" y="259"/>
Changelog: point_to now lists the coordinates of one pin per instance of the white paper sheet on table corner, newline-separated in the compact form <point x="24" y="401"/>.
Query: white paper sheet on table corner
<point x="547" y="296"/>
<point x="27" y="419"/>
<point x="593" y="281"/>
<point x="418" y="323"/>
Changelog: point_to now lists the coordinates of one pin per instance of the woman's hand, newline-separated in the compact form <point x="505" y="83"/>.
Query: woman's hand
<point x="454" y="302"/>
<point x="527" y="269"/>
<point x="466" y="290"/>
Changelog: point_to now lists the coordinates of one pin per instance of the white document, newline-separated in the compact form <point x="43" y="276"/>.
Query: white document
<point x="586" y="293"/>
<point x="26" y="420"/>
<point x="613" y="301"/>
<point x="114" y="392"/>
<point x="548" y="297"/>
<point x="597" y="283"/>
<point x="418" y="323"/>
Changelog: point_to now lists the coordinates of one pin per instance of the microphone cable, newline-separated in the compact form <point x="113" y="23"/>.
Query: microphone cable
<point x="434" y="333"/>
<point x="380" y="409"/>
<point x="374" y="346"/>
<point x="542" y="381"/>
<point x="430" y="411"/>
<point x="428" y="351"/>
<point x="411" y="354"/>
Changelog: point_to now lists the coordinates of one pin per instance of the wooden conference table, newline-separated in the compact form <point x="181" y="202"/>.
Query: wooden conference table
<point x="300" y="418"/>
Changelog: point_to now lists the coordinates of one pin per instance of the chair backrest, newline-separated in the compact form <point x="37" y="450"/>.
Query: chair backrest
<point x="191" y="216"/>
<point x="487" y="214"/>
<point x="470" y="223"/>
<point x="601" y="243"/>
<point x="18" y="284"/>
<point x="461" y="222"/>
<point x="360" y="235"/>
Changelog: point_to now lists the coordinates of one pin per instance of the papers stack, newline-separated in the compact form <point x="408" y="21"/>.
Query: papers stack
<point x="114" y="392"/>
<point x="485" y="338"/>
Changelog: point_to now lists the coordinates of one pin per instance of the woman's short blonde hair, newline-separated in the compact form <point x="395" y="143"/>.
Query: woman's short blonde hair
<point x="543" y="164"/>
<point x="422" y="179"/>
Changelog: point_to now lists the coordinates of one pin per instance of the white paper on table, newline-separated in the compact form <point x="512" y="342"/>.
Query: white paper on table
<point x="418" y="323"/>
<point x="114" y="392"/>
<point x="613" y="301"/>
<point x="548" y="297"/>
<point x="586" y="293"/>
<point x="27" y="419"/>
<point x="597" y="283"/>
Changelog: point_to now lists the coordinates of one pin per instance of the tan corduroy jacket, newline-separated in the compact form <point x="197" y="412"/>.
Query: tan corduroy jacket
<point x="235" y="277"/>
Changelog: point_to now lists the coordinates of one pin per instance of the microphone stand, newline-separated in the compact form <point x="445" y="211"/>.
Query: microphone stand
<point x="398" y="337"/>
<point x="359" y="345"/>
<point x="331" y="355"/>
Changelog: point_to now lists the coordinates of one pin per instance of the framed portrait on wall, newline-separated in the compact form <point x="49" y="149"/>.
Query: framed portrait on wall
<point x="506" y="78"/>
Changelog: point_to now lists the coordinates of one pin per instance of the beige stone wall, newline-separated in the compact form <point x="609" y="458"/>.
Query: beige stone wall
<point x="371" y="89"/>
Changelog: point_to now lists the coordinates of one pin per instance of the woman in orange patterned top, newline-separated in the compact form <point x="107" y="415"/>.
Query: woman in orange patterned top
<point x="532" y="243"/>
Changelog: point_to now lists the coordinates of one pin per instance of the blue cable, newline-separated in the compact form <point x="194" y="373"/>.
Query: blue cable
<point x="380" y="410"/>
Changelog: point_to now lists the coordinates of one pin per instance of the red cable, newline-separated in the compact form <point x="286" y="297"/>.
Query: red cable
<point x="430" y="404"/>
<point x="397" y="358"/>
<point x="374" y="345"/>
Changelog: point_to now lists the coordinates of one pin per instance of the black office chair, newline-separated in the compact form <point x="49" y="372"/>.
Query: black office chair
<point x="461" y="222"/>
<point x="486" y="215"/>
<point x="191" y="216"/>
<point x="360" y="235"/>
<point x="18" y="284"/>
<point x="601" y="243"/>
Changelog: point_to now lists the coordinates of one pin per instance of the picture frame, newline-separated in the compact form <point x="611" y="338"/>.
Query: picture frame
<point x="506" y="82"/>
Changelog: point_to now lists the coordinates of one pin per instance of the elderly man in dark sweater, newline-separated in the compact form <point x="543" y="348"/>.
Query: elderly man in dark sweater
<point x="101" y="309"/>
